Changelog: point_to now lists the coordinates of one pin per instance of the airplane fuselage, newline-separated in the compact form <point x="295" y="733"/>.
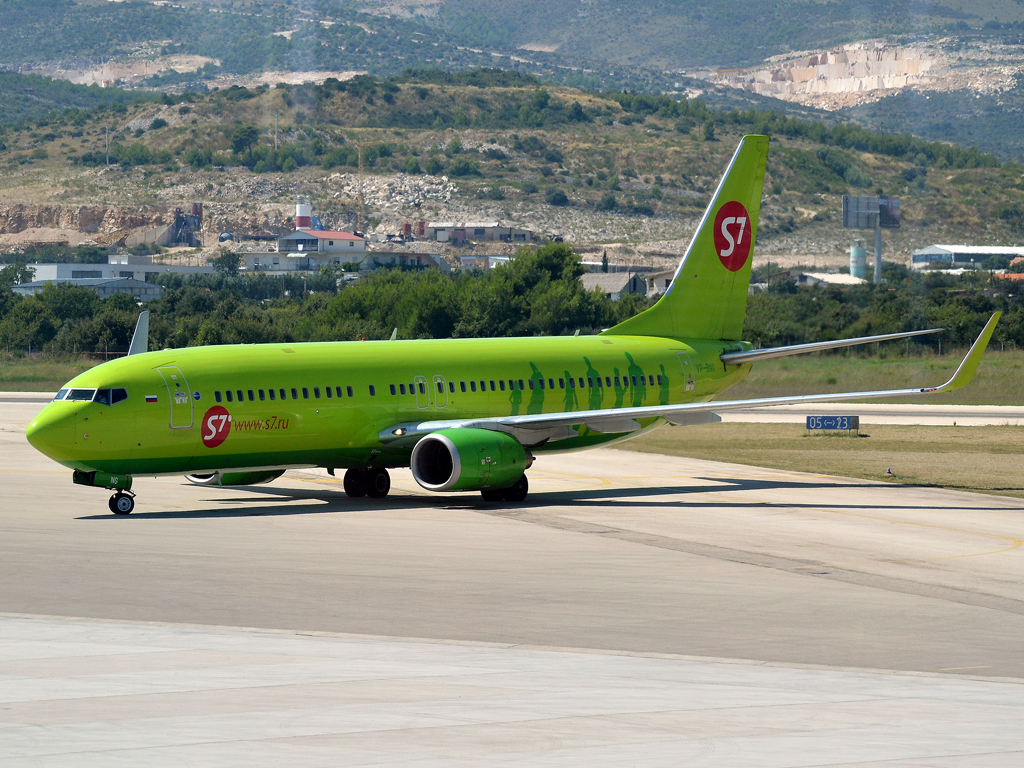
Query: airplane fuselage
<point x="324" y="404"/>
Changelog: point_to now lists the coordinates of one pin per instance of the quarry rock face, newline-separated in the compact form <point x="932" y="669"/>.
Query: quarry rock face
<point x="98" y="219"/>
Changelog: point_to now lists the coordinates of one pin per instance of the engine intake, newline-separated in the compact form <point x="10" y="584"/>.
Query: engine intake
<point x="468" y="460"/>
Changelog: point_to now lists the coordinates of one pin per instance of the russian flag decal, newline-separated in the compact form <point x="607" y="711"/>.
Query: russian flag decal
<point x="150" y="398"/>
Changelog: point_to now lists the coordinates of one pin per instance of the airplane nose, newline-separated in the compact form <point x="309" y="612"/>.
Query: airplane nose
<point x="52" y="431"/>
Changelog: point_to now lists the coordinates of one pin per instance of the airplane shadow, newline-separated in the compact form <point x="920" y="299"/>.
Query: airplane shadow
<point x="333" y="502"/>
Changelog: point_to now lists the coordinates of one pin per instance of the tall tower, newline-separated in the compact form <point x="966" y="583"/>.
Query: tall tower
<point x="303" y="213"/>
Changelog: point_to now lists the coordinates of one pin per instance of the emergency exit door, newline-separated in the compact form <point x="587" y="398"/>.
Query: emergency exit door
<point x="180" y="396"/>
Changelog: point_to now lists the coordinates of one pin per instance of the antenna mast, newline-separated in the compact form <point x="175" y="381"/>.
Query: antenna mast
<point x="360" y="213"/>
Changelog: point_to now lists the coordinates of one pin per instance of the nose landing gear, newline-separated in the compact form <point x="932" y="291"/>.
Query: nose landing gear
<point x="122" y="503"/>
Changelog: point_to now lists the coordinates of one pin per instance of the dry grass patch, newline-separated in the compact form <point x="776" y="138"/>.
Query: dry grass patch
<point x="983" y="459"/>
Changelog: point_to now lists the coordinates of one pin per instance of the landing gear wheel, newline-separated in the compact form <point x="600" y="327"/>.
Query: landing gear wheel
<point x="121" y="504"/>
<point x="517" y="492"/>
<point x="355" y="483"/>
<point x="493" y="494"/>
<point x="378" y="483"/>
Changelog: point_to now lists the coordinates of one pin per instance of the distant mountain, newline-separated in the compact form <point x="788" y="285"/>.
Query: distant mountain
<point x="688" y="34"/>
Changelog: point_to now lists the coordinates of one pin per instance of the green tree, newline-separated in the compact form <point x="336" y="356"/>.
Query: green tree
<point x="244" y="138"/>
<point x="226" y="262"/>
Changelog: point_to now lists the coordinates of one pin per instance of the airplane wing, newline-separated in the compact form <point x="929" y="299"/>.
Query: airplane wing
<point x="533" y="429"/>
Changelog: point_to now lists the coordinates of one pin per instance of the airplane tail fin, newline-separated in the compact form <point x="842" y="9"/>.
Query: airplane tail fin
<point x="707" y="298"/>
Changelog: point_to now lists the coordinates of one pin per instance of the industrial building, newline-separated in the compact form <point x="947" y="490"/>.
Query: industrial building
<point x="478" y="231"/>
<point x="104" y="287"/>
<point x="960" y="255"/>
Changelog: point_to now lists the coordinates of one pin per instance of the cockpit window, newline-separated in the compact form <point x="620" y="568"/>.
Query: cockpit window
<point x="81" y="394"/>
<point x="110" y="396"/>
<point x="60" y="394"/>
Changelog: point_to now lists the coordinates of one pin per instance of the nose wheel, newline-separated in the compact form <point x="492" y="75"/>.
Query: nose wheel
<point x="121" y="503"/>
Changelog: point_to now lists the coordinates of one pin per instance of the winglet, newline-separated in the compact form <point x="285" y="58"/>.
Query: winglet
<point x="967" y="368"/>
<point x="140" y="341"/>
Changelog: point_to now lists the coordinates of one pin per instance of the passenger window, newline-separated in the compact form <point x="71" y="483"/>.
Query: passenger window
<point x="412" y="389"/>
<point x="659" y="379"/>
<point x="251" y="396"/>
<point x="328" y="392"/>
<point x="551" y="383"/>
<point x="501" y="383"/>
<point x="472" y="386"/>
<point x="228" y="393"/>
<point x="633" y="379"/>
<point x="394" y="391"/>
<point x="440" y="388"/>
<point x="239" y="393"/>
<point x="581" y="382"/>
<point x="531" y="382"/>
<point x="263" y="395"/>
<point x="590" y="381"/>
<point x="216" y="395"/>
<point x="521" y="385"/>
<point x="483" y="386"/>
<point x="572" y="383"/>
<point x="451" y="386"/>
<point x="102" y="397"/>
<point x="373" y="390"/>
<point x="349" y="390"/>
<point x="117" y="395"/>
<point x="608" y="380"/>
<point x="423" y="388"/>
<point x="462" y="386"/>
<point x="616" y="381"/>
<point x="561" y="383"/>
<point x="295" y="394"/>
<point x="273" y="394"/>
<point x="284" y="396"/>
<point x="338" y="391"/>
<point x="305" y="393"/>
<point x="316" y="392"/>
<point x="650" y="380"/>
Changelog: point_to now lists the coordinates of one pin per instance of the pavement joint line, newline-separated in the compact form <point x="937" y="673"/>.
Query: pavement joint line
<point x="584" y="651"/>
<point x="775" y="562"/>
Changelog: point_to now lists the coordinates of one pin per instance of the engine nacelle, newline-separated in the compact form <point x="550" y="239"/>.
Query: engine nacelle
<point x="235" y="478"/>
<point x="468" y="460"/>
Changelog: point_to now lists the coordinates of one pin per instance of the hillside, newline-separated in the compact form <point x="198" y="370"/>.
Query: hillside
<point x="626" y="172"/>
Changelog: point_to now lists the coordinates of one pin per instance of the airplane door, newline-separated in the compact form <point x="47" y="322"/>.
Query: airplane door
<point x="180" y="396"/>
<point x="689" y="378"/>
<point x="441" y="392"/>
<point x="422" y="391"/>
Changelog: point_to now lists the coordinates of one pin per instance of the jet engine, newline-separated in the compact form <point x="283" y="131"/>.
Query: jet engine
<point x="468" y="460"/>
<point x="235" y="478"/>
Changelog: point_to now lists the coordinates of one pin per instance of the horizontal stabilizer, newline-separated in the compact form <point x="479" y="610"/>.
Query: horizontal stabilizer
<point x="738" y="358"/>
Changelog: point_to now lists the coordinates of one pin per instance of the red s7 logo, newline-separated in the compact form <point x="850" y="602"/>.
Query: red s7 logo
<point x="216" y="426"/>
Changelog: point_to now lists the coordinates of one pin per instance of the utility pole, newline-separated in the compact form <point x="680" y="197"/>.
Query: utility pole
<point x="360" y="212"/>
<point x="108" y="145"/>
<point x="275" y="130"/>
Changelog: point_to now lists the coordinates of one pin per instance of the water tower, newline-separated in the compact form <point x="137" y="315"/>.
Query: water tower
<point x="303" y="213"/>
<point x="858" y="260"/>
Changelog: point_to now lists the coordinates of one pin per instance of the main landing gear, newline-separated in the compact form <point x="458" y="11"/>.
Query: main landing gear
<point x="122" y="503"/>
<point x="514" y="493"/>
<point x="373" y="482"/>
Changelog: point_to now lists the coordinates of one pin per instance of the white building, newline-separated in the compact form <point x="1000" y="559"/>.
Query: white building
<point x="139" y="269"/>
<point x="104" y="288"/>
<point x="960" y="255"/>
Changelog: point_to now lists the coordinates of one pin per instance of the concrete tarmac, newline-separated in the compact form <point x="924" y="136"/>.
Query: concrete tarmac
<point x="611" y="598"/>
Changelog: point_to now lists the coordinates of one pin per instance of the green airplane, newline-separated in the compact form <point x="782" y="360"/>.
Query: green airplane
<point x="463" y="414"/>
